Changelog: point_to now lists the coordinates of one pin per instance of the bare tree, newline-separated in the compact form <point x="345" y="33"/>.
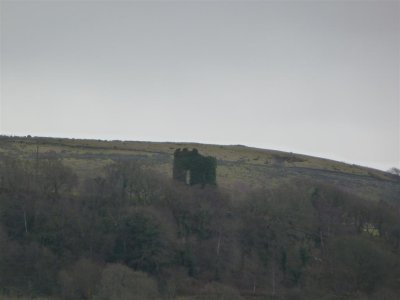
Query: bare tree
<point x="120" y="282"/>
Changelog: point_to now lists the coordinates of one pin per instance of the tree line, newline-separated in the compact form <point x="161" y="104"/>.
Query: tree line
<point x="131" y="233"/>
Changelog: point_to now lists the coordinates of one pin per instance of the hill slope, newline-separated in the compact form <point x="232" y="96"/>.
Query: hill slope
<point x="239" y="166"/>
<point x="95" y="224"/>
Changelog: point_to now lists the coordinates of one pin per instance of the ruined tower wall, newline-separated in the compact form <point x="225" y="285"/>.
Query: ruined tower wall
<point x="202" y="169"/>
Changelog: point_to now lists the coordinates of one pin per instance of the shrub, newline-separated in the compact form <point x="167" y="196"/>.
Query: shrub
<point x="119" y="282"/>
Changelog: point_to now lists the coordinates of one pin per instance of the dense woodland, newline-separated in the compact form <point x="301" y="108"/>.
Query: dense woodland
<point x="131" y="233"/>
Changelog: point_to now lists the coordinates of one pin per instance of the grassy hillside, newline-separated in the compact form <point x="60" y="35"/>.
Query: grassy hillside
<point x="239" y="167"/>
<point x="86" y="219"/>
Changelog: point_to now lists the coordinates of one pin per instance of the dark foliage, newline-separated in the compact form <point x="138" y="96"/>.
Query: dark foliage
<point x="71" y="238"/>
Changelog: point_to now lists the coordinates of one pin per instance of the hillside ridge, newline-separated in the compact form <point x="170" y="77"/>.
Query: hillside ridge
<point x="237" y="164"/>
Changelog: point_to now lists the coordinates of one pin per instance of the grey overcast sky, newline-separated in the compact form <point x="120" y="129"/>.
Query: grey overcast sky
<point x="312" y="77"/>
